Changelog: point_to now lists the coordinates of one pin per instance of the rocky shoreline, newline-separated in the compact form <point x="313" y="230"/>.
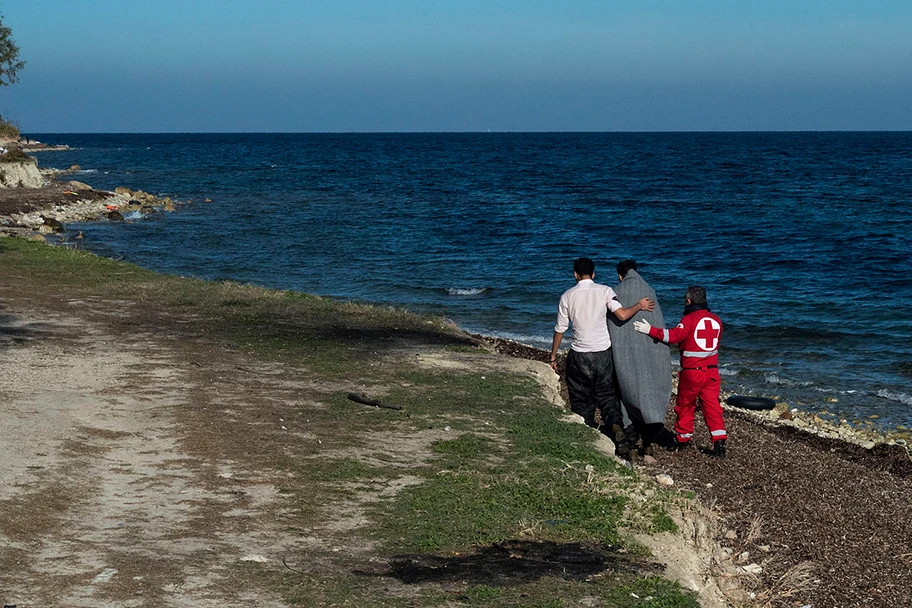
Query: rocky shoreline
<point x="36" y="212"/>
<point x="861" y="433"/>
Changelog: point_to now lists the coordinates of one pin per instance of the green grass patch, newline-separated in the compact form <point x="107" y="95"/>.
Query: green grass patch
<point x="16" y="156"/>
<point x="479" y="492"/>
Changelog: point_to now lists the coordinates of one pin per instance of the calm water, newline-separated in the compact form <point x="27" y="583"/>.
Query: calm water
<point x="801" y="239"/>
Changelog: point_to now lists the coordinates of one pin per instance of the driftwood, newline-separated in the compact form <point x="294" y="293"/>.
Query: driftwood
<point x="375" y="402"/>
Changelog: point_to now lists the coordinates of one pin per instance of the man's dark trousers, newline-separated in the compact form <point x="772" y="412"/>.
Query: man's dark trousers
<point x="590" y="382"/>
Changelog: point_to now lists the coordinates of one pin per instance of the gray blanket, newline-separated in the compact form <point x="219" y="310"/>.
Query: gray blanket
<point x="642" y="365"/>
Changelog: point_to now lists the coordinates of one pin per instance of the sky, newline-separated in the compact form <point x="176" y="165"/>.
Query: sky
<point x="459" y="65"/>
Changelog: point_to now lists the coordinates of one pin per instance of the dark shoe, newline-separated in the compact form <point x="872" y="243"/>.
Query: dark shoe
<point x="621" y="444"/>
<point x="664" y="438"/>
<point x="719" y="449"/>
<point x="679" y="446"/>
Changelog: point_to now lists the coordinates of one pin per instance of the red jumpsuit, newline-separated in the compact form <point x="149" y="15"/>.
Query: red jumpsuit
<point x="698" y="335"/>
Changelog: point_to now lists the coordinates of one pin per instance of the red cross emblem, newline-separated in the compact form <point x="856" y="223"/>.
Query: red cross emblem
<point x="707" y="333"/>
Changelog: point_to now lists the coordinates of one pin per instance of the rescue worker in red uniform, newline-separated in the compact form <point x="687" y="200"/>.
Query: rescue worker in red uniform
<point x="698" y="336"/>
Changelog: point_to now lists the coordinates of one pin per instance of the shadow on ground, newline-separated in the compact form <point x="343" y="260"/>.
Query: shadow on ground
<point x="15" y="330"/>
<point x="514" y="563"/>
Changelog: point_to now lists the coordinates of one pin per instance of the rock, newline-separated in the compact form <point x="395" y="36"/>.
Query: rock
<point x="764" y="548"/>
<point x="752" y="568"/>
<point x="106" y="575"/>
<point x="647" y="459"/>
<point x="50" y="225"/>
<point x="744" y="557"/>
<point x="115" y="216"/>
<point x="78" y="185"/>
<point x="253" y="557"/>
<point x="786" y="415"/>
<point x="38" y="238"/>
<point x="664" y="480"/>
<point x="731" y="535"/>
<point x="20" y="174"/>
<point x="123" y="191"/>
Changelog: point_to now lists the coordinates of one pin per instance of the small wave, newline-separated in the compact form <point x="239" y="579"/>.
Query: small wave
<point x="470" y="291"/>
<point x="81" y="171"/>
<point x="727" y="372"/>
<point x="133" y="215"/>
<point x="895" y="396"/>
<point x="780" y="381"/>
<point x="528" y="340"/>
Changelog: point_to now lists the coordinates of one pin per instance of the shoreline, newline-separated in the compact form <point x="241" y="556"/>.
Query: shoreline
<point x="781" y="415"/>
<point x="76" y="202"/>
<point x="802" y="377"/>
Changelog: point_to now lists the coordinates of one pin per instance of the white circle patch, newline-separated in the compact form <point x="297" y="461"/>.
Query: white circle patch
<point x="707" y="333"/>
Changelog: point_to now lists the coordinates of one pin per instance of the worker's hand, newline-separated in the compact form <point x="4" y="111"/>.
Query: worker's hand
<point x="647" y="304"/>
<point x="642" y="326"/>
<point x="554" y="365"/>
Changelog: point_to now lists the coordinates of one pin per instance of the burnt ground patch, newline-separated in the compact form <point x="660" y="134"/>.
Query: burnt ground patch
<point x="516" y="562"/>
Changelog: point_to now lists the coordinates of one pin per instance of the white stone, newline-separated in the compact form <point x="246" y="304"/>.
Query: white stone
<point x="253" y="557"/>
<point x="664" y="480"/>
<point x="105" y="575"/>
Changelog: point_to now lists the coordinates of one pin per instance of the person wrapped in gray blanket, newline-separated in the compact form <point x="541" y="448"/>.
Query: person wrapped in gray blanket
<point x="642" y="367"/>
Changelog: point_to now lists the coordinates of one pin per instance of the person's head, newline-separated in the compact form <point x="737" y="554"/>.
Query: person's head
<point x="695" y="295"/>
<point x="624" y="267"/>
<point x="584" y="268"/>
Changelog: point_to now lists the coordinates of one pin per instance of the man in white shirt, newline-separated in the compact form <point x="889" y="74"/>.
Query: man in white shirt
<point x="590" y="371"/>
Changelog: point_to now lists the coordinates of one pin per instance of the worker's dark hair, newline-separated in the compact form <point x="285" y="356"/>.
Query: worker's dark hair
<point x="696" y="294"/>
<point x="584" y="267"/>
<point x="624" y="266"/>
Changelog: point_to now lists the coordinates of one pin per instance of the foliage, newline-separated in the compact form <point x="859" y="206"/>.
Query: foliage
<point x="10" y="64"/>
<point x="8" y="131"/>
<point x="16" y="156"/>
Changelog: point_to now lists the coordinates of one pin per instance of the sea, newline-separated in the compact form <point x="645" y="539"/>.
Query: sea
<point x="802" y="240"/>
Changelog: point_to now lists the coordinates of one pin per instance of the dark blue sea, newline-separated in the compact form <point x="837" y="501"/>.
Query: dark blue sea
<point x="802" y="240"/>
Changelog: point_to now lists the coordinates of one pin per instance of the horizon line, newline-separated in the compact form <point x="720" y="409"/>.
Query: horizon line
<point x="488" y="132"/>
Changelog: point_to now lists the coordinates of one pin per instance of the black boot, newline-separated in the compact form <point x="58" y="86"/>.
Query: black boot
<point x="622" y="445"/>
<point x="719" y="449"/>
<point x="679" y="446"/>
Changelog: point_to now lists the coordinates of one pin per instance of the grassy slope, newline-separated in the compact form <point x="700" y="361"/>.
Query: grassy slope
<point x="511" y="507"/>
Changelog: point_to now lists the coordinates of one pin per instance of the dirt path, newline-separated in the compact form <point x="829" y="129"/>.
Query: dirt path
<point x="100" y="505"/>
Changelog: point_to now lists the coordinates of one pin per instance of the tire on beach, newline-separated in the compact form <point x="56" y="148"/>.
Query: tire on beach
<point x="748" y="402"/>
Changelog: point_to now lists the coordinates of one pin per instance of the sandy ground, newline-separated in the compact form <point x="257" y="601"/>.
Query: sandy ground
<point x="94" y="483"/>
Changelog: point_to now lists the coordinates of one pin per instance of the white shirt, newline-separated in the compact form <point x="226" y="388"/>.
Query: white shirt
<point x="584" y="306"/>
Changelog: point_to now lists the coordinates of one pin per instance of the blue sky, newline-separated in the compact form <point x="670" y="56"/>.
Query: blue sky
<point x="408" y="65"/>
